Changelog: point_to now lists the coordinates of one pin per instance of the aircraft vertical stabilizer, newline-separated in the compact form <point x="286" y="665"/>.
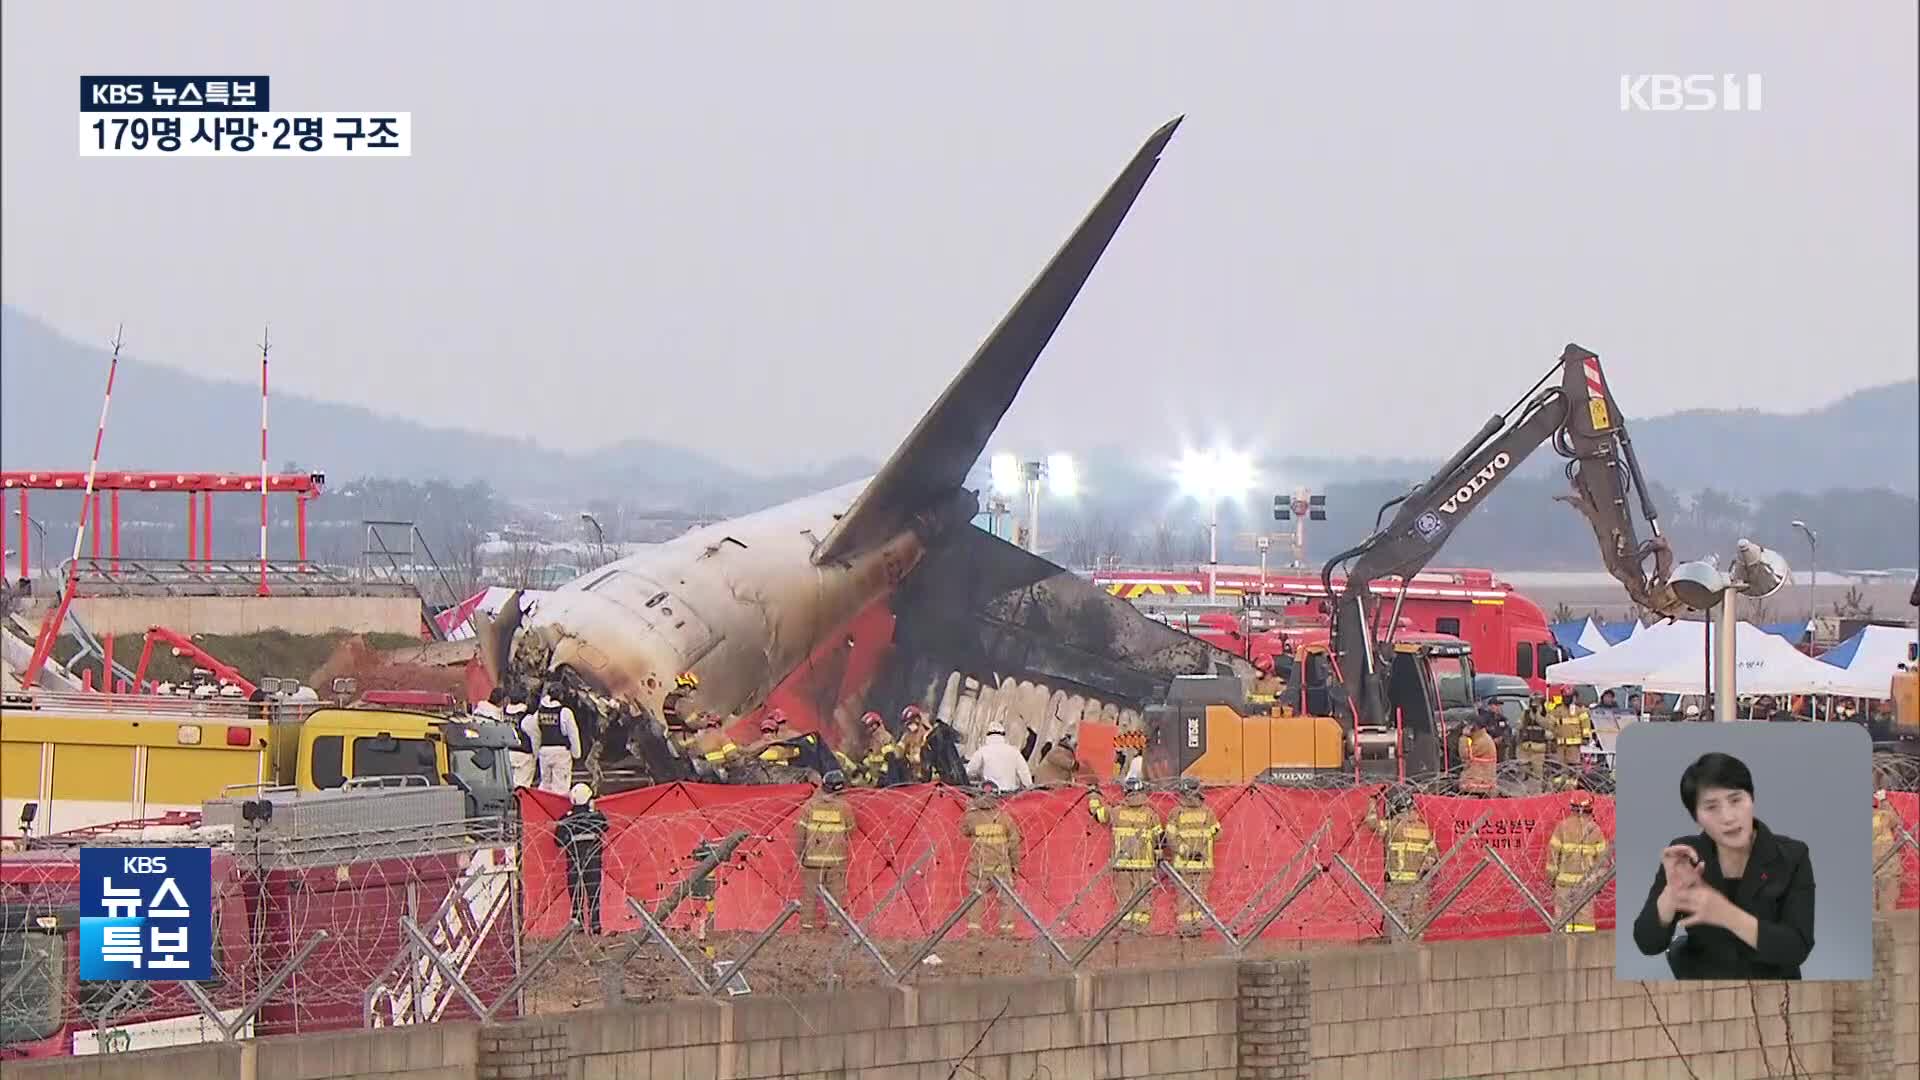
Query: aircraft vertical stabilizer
<point x="934" y="460"/>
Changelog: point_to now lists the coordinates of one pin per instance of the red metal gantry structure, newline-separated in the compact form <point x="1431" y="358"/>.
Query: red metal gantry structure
<point x="199" y="488"/>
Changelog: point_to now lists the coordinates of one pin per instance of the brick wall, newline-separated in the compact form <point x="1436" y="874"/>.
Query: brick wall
<point x="1181" y="1023"/>
<point x="1548" y="1008"/>
<point x="1540" y="1008"/>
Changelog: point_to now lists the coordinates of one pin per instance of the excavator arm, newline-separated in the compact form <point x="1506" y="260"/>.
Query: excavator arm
<point x="1581" y="419"/>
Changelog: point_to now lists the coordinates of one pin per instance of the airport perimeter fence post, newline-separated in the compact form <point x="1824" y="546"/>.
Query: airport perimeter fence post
<point x="1039" y="928"/>
<point x="886" y="900"/>
<point x="853" y="927"/>
<point x="1145" y="890"/>
<point x="260" y="997"/>
<point x="926" y="947"/>
<point x="1201" y="902"/>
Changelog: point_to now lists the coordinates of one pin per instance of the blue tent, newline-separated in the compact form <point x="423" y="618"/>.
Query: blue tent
<point x="1795" y="631"/>
<point x="1615" y="633"/>
<point x="1567" y="635"/>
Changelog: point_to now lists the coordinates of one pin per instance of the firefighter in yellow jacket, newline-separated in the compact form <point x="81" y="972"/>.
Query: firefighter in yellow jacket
<point x="1410" y="852"/>
<point x="1886" y="871"/>
<point x="1191" y="830"/>
<point x="1480" y="760"/>
<point x="882" y="765"/>
<point x="714" y="750"/>
<point x="1571" y="727"/>
<point x="1136" y="844"/>
<point x="1574" y="854"/>
<point x="995" y="855"/>
<point x="1534" y="743"/>
<point x="824" y="834"/>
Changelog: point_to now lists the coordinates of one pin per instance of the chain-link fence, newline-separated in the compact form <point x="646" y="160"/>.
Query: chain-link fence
<point x="311" y="931"/>
<point x="702" y="888"/>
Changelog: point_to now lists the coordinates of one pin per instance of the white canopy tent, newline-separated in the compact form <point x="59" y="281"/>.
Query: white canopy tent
<point x="1648" y="649"/>
<point x="1669" y="658"/>
<point x="1867" y="660"/>
<point x="1764" y="664"/>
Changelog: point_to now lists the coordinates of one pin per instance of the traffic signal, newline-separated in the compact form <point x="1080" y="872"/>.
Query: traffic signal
<point x="1282" y="508"/>
<point x="1317" y="508"/>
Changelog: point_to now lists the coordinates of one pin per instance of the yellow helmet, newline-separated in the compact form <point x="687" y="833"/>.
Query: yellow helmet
<point x="687" y="681"/>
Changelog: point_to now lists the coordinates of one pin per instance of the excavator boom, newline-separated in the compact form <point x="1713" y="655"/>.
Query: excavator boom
<point x="1581" y="418"/>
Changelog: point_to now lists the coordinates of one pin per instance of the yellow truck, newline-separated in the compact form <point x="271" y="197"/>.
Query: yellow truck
<point x="81" y="760"/>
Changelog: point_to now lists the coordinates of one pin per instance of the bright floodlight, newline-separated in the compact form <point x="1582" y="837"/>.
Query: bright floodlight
<point x="1215" y="474"/>
<point x="1006" y="474"/>
<point x="1061" y="478"/>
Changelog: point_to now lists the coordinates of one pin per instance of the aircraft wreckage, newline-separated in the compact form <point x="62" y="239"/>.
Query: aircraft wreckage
<point x="869" y="596"/>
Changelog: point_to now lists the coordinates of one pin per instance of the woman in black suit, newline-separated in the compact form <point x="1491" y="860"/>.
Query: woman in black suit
<point x="1734" y="901"/>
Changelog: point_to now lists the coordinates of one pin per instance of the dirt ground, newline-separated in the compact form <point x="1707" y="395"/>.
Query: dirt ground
<point x="810" y="961"/>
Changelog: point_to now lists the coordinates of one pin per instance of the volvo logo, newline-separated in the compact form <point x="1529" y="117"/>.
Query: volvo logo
<point x="1480" y="480"/>
<point x="1427" y="525"/>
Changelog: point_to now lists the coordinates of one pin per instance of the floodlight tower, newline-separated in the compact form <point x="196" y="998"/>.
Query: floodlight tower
<point x="1758" y="573"/>
<point x="1012" y="476"/>
<point x="1211" y="476"/>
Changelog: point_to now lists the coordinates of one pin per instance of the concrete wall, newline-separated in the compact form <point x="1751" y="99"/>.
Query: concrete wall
<point x="1548" y="1008"/>
<point x="1540" y="1008"/>
<point x="429" y="1052"/>
<point x="131" y="615"/>
<point x="1172" y="1023"/>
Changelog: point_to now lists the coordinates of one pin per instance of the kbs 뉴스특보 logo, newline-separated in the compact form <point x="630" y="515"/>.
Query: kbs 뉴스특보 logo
<point x="146" y="913"/>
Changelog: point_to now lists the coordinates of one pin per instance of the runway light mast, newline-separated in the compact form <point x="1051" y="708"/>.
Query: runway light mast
<point x="1211" y="476"/>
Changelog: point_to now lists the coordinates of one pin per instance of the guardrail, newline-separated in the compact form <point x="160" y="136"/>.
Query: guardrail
<point x="220" y="577"/>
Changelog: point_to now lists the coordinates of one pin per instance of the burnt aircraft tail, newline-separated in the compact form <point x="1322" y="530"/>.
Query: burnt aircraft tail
<point x="934" y="460"/>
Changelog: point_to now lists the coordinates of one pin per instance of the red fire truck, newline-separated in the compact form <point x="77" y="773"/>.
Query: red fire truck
<point x="340" y="900"/>
<point x="1508" y="632"/>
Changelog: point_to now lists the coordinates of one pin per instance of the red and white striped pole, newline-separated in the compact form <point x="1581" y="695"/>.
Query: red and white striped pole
<point x="50" y="629"/>
<point x="263" y="462"/>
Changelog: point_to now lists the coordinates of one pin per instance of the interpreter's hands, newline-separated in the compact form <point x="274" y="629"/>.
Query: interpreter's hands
<point x="1682" y="865"/>
<point x="1706" y="906"/>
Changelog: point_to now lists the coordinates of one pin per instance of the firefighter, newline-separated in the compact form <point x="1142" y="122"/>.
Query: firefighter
<point x="559" y="743"/>
<point x="676" y="710"/>
<point x="582" y="835"/>
<point x="823" y="833"/>
<point x="1267" y="687"/>
<point x="1410" y="852"/>
<point x="1574" y="854"/>
<point x="881" y="765"/>
<point x="522" y="757"/>
<point x="1058" y="765"/>
<point x="713" y="748"/>
<point x="995" y="855"/>
<point x="1534" y="741"/>
<point x="1191" y="830"/>
<point x="1136" y="840"/>
<point x="1886" y="871"/>
<point x="1571" y="727"/>
<point x="1480" y="760"/>
<point x="774" y="752"/>
<point x="914" y="762"/>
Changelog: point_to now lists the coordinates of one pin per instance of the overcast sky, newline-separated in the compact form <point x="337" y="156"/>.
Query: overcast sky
<point x="778" y="238"/>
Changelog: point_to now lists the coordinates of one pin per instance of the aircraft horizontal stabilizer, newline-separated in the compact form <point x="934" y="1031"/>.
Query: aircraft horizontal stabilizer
<point x="934" y="460"/>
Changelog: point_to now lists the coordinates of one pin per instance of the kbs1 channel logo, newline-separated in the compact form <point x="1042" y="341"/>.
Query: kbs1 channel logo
<point x="223" y="116"/>
<point x="146" y="913"/>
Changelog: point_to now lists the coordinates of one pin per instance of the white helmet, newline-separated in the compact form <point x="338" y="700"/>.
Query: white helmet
<point x="581" y="794"/>
<point x="996" y="728"/>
